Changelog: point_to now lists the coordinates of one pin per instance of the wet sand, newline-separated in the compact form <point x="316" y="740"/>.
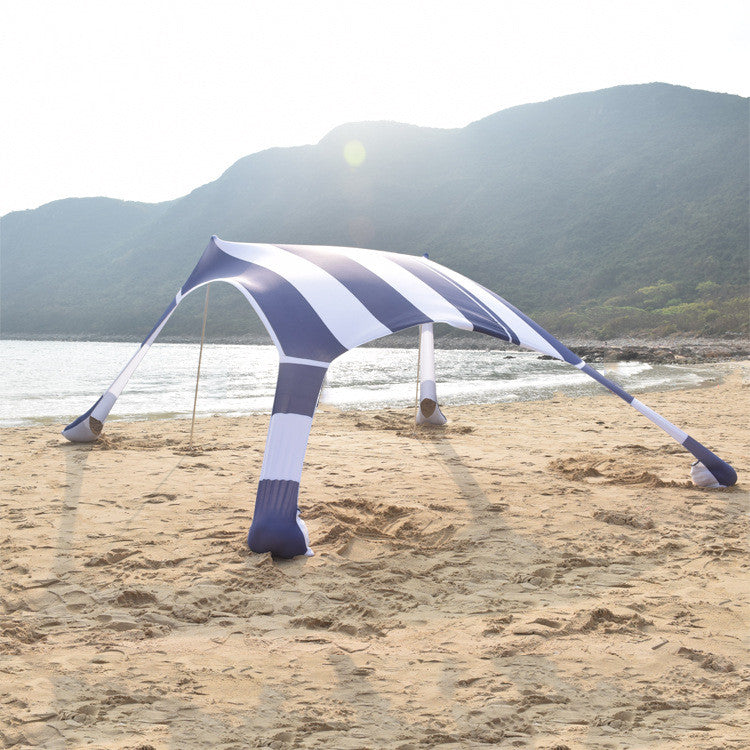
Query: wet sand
<point x="536" y="575"/>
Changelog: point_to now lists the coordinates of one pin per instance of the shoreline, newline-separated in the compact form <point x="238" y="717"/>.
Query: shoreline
<point x="723" y="368"/>
<point x="672" y="350"/>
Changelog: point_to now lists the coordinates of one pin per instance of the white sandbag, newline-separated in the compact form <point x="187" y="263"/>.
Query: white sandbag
<point x="702" y="477"/>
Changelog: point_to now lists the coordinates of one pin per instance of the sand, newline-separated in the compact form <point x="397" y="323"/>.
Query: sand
<point x="536" y="575"/>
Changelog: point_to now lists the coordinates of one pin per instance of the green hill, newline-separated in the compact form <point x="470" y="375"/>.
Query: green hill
<point x="615" y="212"/>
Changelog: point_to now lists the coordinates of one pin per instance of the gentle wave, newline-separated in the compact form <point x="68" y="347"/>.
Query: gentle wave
<point x="55" y="381"/>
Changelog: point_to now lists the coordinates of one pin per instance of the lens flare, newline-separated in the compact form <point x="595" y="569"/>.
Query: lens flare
<point x="354" y="153"/>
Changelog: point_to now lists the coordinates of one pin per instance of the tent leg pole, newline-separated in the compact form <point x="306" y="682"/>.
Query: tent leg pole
<point x="200" y="357"/>
<point x="419" y="371"/>
<point x="277" y="527"/>
<point x="428" y="410"/>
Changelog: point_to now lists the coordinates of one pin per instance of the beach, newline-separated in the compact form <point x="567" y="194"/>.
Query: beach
<point x="536" y="574"/>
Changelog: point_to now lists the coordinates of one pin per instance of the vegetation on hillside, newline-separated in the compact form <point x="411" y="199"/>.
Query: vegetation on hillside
<point x="610" y="213"/>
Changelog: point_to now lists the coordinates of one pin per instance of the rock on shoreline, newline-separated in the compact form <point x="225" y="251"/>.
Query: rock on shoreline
<point x="693" y="352"/>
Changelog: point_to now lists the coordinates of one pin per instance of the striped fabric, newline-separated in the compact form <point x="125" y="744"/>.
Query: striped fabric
<point x="319" y="302"/>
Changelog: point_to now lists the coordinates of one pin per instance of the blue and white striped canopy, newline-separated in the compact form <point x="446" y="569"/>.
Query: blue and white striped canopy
<point x="319" y="302"/>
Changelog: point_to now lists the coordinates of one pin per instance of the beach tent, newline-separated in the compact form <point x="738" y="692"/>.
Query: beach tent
<point x="319" y="302"/>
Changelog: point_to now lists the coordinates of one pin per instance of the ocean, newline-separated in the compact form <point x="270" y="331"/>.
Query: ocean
<point x="47" y="382"/>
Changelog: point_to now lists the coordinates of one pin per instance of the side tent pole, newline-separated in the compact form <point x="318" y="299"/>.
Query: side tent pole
<point x="87" y="428"/>
<point x="277" y="526"/>
<point x="428" y="411"/>
<point x="720" y="471"/>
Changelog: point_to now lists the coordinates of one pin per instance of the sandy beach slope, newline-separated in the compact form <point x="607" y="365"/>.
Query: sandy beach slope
<point x="535" y="575"/>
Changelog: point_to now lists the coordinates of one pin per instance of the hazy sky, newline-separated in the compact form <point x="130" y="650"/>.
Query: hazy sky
<point x="146" y="100"/>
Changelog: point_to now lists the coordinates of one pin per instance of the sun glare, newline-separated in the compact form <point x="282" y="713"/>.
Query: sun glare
<point x="354" y="153"/>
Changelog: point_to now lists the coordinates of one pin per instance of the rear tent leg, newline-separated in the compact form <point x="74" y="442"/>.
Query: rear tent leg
<point x="428" y="411"/>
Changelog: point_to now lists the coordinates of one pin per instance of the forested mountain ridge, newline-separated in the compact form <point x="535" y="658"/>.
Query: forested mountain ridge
<point x="615" y="212"/>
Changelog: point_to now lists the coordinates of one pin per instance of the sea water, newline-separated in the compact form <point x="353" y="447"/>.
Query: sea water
<point x="55" y="381"/>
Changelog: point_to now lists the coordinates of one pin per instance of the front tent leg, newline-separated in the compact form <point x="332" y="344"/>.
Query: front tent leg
<point x="276" y="526"/>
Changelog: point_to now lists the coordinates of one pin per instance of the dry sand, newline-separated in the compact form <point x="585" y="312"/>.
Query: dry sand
<point x="535" y="575"/>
